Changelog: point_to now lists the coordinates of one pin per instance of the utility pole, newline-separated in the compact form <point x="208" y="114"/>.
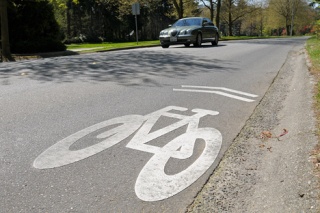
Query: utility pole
<point x="135" y="12"/>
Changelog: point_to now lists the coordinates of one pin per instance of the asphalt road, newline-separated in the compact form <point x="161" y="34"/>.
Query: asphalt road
<point x="142" y="165"/>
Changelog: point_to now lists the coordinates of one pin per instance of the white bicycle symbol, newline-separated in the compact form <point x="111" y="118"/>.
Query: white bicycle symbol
<point x="152" y="184"/>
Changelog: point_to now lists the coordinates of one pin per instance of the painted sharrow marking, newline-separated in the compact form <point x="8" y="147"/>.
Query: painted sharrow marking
<point x="222" y="88"/>
<point x="200" y="89"/>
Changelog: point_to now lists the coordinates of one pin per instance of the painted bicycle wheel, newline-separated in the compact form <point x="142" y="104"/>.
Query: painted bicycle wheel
<point x="153" y="184"/>
<point x="60" y="154"/>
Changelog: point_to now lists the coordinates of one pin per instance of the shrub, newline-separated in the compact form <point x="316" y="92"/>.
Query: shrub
<point x="317" y="29"/>
<point x="42" y="45"/>
<point x="33" y="28"/>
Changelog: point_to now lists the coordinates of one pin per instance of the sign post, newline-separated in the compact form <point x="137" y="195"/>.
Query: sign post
<point x="135" y="12"/>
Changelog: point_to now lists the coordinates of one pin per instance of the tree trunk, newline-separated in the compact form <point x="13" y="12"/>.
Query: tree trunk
<point x="68" y="19"/>
<point x="230" y="23"/>
<point x="179" y="8"/>
<point x="218" y="13"/>
<point x="211" y="11"/>
<point x="287" y="26"/>
<point x="6" y="54"/>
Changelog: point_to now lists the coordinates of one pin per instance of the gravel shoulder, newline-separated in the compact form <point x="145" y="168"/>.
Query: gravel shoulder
<point x="262" y="174"/>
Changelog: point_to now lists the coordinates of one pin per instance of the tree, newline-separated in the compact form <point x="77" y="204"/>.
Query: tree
<point x="6" y="53"/>
<point x="218" y="13"/>
<point x="178" y="4"/>
<point x="287" y="10"/>
<point x="191" y="8"/>
<point x="235" y="10"/>
<point x="211" y="5"/>
<point x="34" y="27"/>
<point x="254" y="23"/>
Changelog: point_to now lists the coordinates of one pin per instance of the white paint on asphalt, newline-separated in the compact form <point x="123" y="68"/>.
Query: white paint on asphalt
<point x="60" y="154"/>
<point x="153" y="183"/>
<point x="221" y="88"/>
<point x="205" y="89"/>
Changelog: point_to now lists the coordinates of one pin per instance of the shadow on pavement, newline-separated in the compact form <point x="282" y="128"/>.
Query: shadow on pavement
<point x="123" y="67"/>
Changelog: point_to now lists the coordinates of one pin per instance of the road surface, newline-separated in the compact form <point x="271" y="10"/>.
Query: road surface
<point x="130" y="131"/>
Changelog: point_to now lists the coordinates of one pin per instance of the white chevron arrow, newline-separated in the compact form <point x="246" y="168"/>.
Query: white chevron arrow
<point x="205" y="89"/>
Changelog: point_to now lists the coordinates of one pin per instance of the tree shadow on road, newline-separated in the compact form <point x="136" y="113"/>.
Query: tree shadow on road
<point x="123" y="67"/>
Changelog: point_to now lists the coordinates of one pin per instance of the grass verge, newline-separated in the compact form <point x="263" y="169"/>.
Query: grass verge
<point x="90" y="47"/>
<point x="249" y="37"/>
<point x="313" y="49"/>
<point x="105" y="46"/>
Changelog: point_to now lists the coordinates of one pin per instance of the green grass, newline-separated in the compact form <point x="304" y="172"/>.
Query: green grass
<point x="109" y="45"/>
<point x="94" y="47"/>
<point x="248" y="37"/>
<point x="313" y="48"/>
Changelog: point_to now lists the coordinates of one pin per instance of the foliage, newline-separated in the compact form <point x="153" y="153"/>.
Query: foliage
<point x="316" y="29"/>
<point x="111" y="20"/>
<point x="313" y="48"/>
<point x="33" y="27"/>
<point x="291" y="15"/>
<point x="80" y="21"/>
<point x="233" y="13"/>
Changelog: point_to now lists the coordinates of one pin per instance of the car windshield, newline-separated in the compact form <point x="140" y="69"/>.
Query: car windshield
<point x="187" y="22"/>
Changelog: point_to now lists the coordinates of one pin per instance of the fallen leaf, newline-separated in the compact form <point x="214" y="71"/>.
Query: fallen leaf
<point x="266" y="134"/>
<point x="269" y="149"/>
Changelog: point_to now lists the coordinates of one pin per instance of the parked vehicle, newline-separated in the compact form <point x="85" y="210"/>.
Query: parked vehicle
<point x="193" y="30"/>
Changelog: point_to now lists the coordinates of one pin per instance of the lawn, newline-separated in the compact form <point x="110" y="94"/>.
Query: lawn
<point x="94" y="47"/>
<point x="109" y="45"/>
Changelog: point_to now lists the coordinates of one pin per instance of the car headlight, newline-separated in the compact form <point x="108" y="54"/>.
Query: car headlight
<point x="185" y="32"/>
<point x="164" y="33"/>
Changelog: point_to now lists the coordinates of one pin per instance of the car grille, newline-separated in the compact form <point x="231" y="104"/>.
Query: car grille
<point x="174" y="33"/>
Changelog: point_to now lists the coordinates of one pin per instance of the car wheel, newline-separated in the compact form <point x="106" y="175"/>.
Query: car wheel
<point x="216" y="40"/>
<point x="198" y="40"/>
<point x="187" y="45"/>
<point x="165" y="46"/>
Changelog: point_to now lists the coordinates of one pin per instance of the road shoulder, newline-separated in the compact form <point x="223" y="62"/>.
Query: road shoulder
<point x="263" y="174"/>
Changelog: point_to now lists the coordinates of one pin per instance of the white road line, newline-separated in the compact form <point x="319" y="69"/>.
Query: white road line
<point x="221" y="88"/>
<point x="215" y="92"/>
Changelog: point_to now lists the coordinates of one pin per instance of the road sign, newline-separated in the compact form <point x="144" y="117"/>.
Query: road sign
<point x="136" y="9"/>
